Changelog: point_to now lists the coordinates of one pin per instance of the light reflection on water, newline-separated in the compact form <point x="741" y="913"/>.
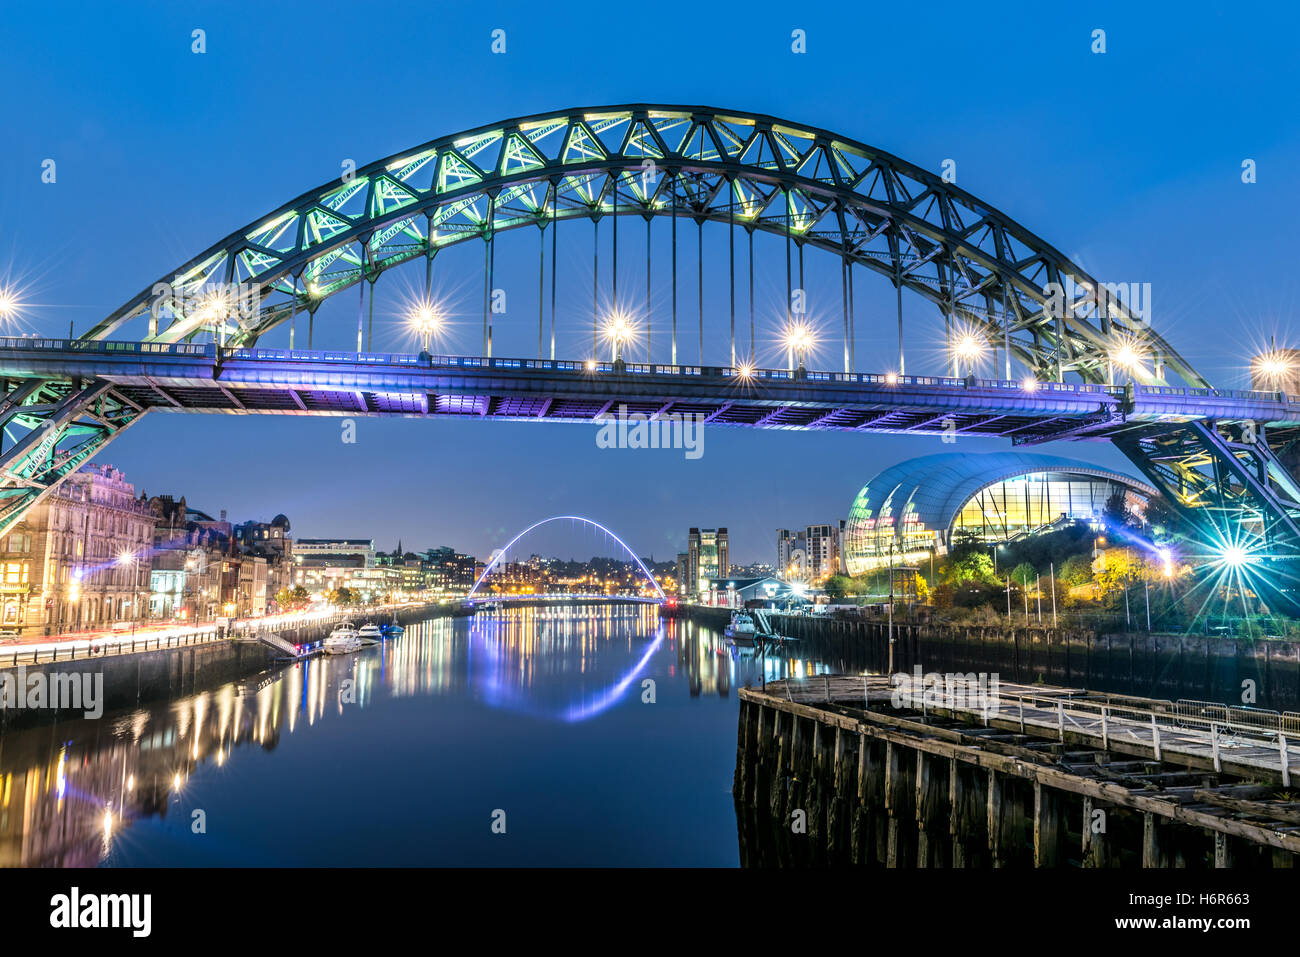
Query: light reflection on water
<point x="401" y="751"/>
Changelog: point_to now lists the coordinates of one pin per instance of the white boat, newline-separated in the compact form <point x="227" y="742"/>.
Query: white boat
<point x="370" y="631"/>
<point x="343" y="640"/>
<point x="742" y="626"/>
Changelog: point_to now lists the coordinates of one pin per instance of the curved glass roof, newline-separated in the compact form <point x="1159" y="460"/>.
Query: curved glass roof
<point x="928" y="492"/>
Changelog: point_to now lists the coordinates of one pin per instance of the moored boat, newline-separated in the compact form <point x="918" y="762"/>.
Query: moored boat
<point x="343" y="640"/>
<point x="742" y="626"/>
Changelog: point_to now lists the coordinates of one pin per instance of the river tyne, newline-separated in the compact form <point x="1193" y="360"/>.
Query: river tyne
<point x="572" y="735"/>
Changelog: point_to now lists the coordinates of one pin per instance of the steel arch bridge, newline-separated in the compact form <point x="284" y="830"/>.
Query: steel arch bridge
<point x="566" y="518"/>
<point x="1215" y="454"/>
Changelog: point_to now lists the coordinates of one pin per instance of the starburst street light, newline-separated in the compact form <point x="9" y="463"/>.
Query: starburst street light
<point x="1238" y="559"/>
<point x="618" y="330"/>
<point x="426" y="320"/>
<point x="968" y="347"/>
<point x="798" y="340"/>
<point x="1274" y="369"/>
<point x="1127" y="354"/>
<point x="8" y="303"/>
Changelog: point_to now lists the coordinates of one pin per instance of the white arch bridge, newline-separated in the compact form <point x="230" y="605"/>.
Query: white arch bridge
<point x="501" y="554"/>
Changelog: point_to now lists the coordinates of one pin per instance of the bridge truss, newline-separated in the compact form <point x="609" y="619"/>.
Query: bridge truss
<point x="987" y="276"/>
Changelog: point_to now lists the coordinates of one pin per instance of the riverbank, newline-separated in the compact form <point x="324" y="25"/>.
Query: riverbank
<point x="134" y="671"/>
<point x="1263" y="673"/>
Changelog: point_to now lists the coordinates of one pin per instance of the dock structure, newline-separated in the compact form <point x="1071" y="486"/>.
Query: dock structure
<point x="856" y="770"/>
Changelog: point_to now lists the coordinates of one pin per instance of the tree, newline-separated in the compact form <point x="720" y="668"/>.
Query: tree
<point x="969" y="569"/>
<point x="343" y="597"/>
<point x="1077" y="570"/>
<point x="837" y="586"/>
<point x="1024" y="574"/>
<point x="1119" y="567"/>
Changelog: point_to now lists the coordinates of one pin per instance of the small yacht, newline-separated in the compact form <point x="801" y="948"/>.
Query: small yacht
<point x="742" y="626"/>
<point x="370" y="631"/>
<point x="392" y="629"/>
<point x="343" y="640"/>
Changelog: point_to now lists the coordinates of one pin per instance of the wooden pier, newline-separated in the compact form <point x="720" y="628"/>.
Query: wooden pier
<point x="849" y="770"/>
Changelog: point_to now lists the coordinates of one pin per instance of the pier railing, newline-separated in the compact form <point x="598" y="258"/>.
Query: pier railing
<point x="1248" y="737"/>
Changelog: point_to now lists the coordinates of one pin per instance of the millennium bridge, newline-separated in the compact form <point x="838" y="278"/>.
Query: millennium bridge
<point x="1072" y="358"/>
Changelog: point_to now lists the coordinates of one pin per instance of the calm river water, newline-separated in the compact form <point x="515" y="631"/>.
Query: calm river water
<point x="419" y="751"/>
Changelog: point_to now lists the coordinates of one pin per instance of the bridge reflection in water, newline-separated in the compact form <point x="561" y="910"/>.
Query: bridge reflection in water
<point x="123" y="789"/>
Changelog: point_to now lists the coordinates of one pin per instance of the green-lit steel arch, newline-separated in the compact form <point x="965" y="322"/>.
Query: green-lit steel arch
<point x="811" y="187"/>
<point x="758" y="172"/>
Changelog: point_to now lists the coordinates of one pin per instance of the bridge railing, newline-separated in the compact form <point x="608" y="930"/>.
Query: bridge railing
<point x="211" y="350"/>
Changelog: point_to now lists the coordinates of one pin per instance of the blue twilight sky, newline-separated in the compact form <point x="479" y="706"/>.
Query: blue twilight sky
<point x="1130" y="161"/>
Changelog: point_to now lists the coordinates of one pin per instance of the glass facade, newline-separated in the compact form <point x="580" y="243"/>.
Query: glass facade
<point x="914" y="509"/>
<point x="1028" y="503"/>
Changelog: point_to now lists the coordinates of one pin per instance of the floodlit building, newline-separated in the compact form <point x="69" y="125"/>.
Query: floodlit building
<point x="334" y="552"/>
<point x="918" y="507"/>
<point x="683" y="572"/>
<point x="708" y="556"/>
<point x="737" y="592"/>
<point x="80" y="558"/>
<point x="809" y="554"/>
<point x="792" y="553"/>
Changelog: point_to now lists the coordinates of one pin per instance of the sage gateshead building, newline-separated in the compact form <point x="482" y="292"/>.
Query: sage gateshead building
<point x="918" y="507"/>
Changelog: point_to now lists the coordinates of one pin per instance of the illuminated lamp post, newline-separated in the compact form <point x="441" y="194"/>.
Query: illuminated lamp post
<point x="425" y="320"/>
<point x="618" y="330"/>
<point x="969" y="348"/>
<point x="8" y="303"/>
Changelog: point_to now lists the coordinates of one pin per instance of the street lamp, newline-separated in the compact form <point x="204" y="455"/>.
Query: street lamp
<point x="969" y="347"/>
<point x="1273" y="368"/>
<point x="426" y="320"/>
<point x="1127" y="353"/>
<point x="8" y="303"/>
<point x="618" y="330"/>
<point x="798" y="340"/>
